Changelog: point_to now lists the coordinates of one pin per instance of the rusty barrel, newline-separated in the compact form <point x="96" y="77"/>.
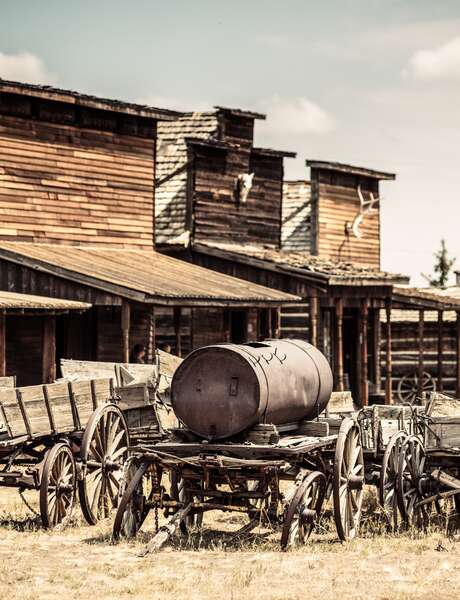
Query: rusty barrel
<point x="223" y="389"/>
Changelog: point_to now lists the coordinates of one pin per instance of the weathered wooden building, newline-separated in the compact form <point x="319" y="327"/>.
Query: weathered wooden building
<point x="77" y="205"/>
<point x="318" y="239"/>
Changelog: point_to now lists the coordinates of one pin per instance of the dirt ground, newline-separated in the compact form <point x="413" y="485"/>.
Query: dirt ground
<point x="79" y="562"/>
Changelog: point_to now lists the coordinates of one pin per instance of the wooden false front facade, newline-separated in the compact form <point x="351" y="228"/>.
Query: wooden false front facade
<point x="78" y="173"/>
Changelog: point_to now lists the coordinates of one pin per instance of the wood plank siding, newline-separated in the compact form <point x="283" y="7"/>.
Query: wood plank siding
<point x="296" y="215"/>
<point x="404" y="349"/>
<point x="63" y="184"/>
<point x="335" y="205"/>
<point x="218" y="215"/>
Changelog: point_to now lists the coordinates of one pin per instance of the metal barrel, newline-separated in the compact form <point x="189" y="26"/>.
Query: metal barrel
<point x="223" y="389"/>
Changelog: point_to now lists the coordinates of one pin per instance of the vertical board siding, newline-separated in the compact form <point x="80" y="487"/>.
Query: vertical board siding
<point x="63" y="184"/>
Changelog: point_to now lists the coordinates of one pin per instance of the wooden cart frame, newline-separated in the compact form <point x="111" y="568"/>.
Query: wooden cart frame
<point x="60" y="437"/>
<point x="245" y="477"/>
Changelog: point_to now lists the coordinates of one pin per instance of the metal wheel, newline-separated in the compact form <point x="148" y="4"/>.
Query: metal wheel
<point x="388" y="477"/>
<point x="408" y="386"/>
<point x="57" y="486"/>
<point x="410" y="479"/>
<point x="348" y="483"/>
<point x="303" y="510"/>
<point x="103" y="451"/>
<point x="132" y="509"/>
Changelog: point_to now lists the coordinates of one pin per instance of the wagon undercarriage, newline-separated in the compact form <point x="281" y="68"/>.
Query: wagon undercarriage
<point x="282" y="486"/>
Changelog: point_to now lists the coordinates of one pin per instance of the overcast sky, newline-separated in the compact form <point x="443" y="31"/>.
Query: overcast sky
<point x="370" y="82"/>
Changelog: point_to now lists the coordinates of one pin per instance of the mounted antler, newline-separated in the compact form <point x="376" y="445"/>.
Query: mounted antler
<point x="365" y="207"/>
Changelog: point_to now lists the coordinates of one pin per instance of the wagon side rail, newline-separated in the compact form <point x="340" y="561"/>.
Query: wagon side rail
<point x="32" y="412"/>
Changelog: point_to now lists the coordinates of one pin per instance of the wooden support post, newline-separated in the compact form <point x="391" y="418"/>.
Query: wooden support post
<point x="457" y="347"/>
<point x="276" y="317"/>
<point x="177" y="329"/>
<point x="388" y="362"/>
<point x="376" y="349"/>
<point x="125" y="328"/>
<point x="421" y="328"/>
<point x="151" y="350"/>
<point x="49" y="349"/>
<point x="314" y="307"/>
<point x="440" y="350"/>
<point x="2" y="344"/>
<point x="269" y="324"/>
<point x="363" y="356"/>
<point x="339" y="344"/>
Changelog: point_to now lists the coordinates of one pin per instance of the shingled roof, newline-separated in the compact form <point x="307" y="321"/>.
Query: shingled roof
<point x="329" y="271"/>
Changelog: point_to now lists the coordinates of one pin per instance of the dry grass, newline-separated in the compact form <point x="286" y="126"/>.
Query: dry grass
<point x="79" y="563"/>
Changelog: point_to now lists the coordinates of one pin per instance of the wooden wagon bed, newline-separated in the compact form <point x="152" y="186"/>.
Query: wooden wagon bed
<point x="287" y="448"/>
<point x="41" y="411"/>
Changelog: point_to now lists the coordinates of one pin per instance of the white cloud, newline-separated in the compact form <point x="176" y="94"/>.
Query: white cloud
<point x="295" y="116"/>
<point x="439" y="63"/>
<point x="25" y="67"/>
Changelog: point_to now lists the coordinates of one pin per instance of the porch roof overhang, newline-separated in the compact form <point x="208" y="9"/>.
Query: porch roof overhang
<point x="407" y="297"/>
<point x="17" y="302"/>
<point x="143" y="276"/>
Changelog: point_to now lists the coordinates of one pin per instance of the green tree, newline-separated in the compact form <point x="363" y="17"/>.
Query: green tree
<point x="442" y="267"/>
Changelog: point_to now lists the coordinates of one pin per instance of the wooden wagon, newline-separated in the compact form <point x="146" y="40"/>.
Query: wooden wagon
<point x="428" y="465"/>
<point x="186" y="477"/>
<point x="59" y="437"/>
<point x="384" y="429"/>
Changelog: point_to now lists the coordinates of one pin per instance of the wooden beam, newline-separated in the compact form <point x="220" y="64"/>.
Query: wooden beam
<point x="125" y="328"/>
<point x="49" y="349"/>
<point x="177" y="329"/>
<point x="339" y="344"/>
<point x="388" y="362"/>
<point x="363" y="354"/>
<point x="376" y="347"/>
<point x="314" y="309"/>
<point x="276" y="318"/>
<point x="440" y="349"/>
<point x="457" y="366"/>
<point x="2" y="344"/>
<point x="151" y="349"/>
<point x="421" y="330"/>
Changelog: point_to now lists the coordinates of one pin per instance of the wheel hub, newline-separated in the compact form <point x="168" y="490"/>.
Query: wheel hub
<point x="110" y="465"/>
<point x="355" y="482"/>
<point x="307" y="516"/>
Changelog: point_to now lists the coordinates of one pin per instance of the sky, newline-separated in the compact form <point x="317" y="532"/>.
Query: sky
<point x="374" y="83"/>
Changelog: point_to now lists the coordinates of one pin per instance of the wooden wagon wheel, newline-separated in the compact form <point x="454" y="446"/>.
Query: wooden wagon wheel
<point x="348" y="482"/>
<point x="57" y="485"/>
<point x="303" y="510"/>
<point x="132" y="507"/>
<point x="408" y="386"/>
<point x="192" y="520"/>
<point x="409" y="481"/>
<point x="103" y="451"/>
<point x="388" y="477"/>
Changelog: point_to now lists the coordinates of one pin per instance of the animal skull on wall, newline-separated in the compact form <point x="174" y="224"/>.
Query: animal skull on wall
<point x="365" y="207"/>
<point x="243" y="185"/>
